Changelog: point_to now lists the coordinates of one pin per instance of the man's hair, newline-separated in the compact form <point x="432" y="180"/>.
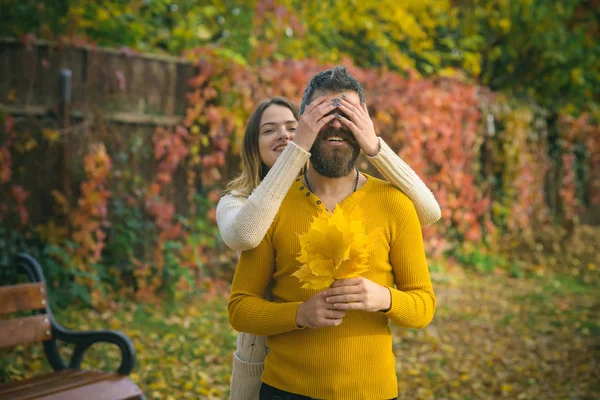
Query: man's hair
<point x="336" y="79"/>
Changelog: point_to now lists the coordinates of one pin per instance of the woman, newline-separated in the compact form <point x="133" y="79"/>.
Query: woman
<point x="275" y="148"/>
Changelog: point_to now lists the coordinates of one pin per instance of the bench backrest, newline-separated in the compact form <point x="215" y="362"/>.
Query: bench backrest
<point x="21" y="298"/>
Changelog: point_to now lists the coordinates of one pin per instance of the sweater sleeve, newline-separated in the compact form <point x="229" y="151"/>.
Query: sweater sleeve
<point x="413" y="300"/>
<point x="401" y="175"/>
<point x="247" y="308"/>
<point x="243" y="222"/>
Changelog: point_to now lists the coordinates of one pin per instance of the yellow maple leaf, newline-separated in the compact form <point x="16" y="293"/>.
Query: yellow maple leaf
<point x="314" y="275"/>
<point x="335" y="247"/>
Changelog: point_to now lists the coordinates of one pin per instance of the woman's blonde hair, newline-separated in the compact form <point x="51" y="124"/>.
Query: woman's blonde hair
<point x="254" y="169"/>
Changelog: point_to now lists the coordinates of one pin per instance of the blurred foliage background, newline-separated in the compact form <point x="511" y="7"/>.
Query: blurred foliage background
<point x="537" y="50"/>
<point x="494" y="103"/>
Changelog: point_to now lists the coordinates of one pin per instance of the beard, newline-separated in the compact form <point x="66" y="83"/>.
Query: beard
<point x="334" y="161"/>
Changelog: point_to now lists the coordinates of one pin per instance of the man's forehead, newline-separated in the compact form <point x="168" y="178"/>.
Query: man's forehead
<point x="334" y="93"/>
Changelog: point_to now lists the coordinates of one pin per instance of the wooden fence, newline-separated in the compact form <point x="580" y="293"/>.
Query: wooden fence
<point x="128" y="88"/>
<point x="131" y="94"/>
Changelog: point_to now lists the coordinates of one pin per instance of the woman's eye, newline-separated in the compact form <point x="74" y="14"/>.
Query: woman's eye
<point x="292" y="128"/>
<point x="268" y="131"/>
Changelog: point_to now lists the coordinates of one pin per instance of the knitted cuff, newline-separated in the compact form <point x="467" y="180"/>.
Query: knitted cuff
<point x="245" y="379"/>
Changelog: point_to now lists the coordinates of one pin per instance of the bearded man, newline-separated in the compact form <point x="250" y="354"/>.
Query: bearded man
<point x="335" y="343"/>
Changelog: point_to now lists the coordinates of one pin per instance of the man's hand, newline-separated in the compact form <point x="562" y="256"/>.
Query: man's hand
<point x="360" y="124"/>
<point x="316" y="313"/>
<point x="358" y="294"/>
<point x="313" y="119"/>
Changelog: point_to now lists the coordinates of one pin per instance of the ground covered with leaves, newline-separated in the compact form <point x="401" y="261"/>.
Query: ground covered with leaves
<point x="492" y="337"/>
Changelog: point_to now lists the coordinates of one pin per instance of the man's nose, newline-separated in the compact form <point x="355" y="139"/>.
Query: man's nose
<point x="335" y="123"/>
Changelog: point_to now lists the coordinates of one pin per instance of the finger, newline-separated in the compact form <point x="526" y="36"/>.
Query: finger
<point x="323" y="109"/>
<point x="356" y="107"/>
<point x="323" y="121"/>
<point x="315" y="103"/>
<point x="350" y="100"/>
<point x="330" y="322"/>
<point x="350" y="125"/>
<point x="352" y="113"/>
<point x="345" y="282"/>
<point x="358" y="305"/>
<point x="363" y="105"/>
<point x="335" y="314"/>
<point x="343" y="290"/>
<point x="343" y="298"/>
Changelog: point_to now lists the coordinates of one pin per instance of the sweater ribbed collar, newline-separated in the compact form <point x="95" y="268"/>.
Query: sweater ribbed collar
<point x="349" y="203"/>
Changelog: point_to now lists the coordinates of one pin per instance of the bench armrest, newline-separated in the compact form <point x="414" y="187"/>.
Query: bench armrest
<point x="81" y="340"/>
<point x="85" y="340"/>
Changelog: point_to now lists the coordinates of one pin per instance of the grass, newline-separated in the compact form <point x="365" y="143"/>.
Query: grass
<point x="493" y="337"/>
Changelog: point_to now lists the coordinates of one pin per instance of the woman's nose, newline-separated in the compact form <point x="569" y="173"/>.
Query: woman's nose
<point x="284" y="133"/>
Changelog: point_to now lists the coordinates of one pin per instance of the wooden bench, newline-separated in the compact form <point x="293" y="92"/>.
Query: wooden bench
<point x="68" y="381"/>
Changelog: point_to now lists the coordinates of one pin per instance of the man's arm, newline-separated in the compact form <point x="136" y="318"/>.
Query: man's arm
<point x="248" y="309"/>
<point x="412" y="301"/>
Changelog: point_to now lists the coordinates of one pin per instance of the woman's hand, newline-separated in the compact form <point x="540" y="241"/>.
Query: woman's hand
<point x="313" y="119"/>
<point x="360" y="124"/>
<point x="358" y="294"/>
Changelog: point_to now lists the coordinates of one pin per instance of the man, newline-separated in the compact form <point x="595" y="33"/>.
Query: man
<point x="335" y="344"/>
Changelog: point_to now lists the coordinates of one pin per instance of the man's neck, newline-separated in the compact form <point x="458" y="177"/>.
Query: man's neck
<point x="324" y="186"/>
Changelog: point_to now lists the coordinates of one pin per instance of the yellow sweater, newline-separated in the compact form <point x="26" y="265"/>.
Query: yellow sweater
<point x="353" y="360"/>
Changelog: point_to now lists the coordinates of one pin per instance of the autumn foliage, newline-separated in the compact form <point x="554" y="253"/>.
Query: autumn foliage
<point x="499" y="166"/>
<point x="484" y="156"/>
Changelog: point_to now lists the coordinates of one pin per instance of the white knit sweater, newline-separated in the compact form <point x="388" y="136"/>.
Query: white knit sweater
<point x="243" y="221"/>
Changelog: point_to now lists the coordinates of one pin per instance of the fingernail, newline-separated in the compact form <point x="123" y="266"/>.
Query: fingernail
<point x="337" y="115"/>
<point x="343" y="95"/>
<point x="324" y="94"/>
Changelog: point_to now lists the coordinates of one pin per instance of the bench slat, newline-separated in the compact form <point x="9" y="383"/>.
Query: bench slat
<point x="79" y="385"/>
<point x="121" y="388"/>
<point x="110" y="389"/>
<point x="30" y="329"/>
<point x="23" y="297"/>
<point x="66" y="383"/>
<point x="10" y="387"/>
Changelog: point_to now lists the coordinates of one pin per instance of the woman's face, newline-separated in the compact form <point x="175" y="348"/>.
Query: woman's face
<point x="277" y="128"/>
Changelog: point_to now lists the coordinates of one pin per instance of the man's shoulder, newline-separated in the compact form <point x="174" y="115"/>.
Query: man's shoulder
<point x="387" y="192"/>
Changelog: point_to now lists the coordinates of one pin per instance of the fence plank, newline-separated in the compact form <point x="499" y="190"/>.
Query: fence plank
<point x="120" y="117"/>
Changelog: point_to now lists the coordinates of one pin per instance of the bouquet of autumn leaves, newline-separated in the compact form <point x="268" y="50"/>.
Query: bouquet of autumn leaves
<point x="335" y="247"/>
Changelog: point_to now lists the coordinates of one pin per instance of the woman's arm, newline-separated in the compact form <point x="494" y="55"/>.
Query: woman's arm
<point x="401" y="175"/>
<point x="243" y="222"/>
